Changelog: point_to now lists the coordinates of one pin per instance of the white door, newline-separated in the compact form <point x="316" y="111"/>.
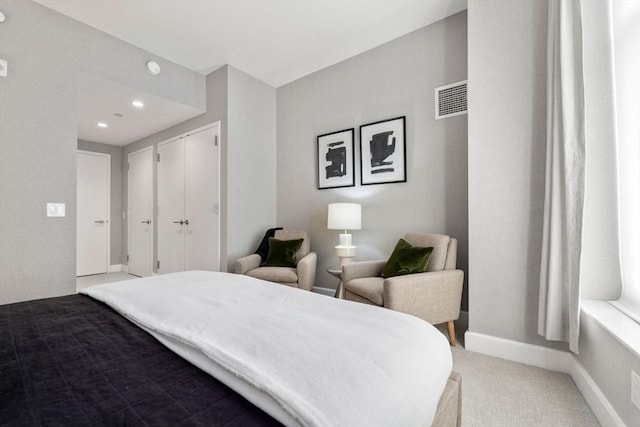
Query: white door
<point x="188" y="188"/>
<point x="201" y="197"/>
<point x="93" y="196"/>
<point x="140" y="213"/>
<point x="171" y="206"/>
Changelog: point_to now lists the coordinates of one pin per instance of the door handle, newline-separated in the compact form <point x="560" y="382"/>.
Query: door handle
<point x="146" y="222"/>
<point x="99" y="221"/>
<point x="186" y="222"/>
<point x="179" y="222"/>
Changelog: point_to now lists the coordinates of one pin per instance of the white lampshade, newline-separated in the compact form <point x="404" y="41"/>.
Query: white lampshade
<point x="344" y="216"/>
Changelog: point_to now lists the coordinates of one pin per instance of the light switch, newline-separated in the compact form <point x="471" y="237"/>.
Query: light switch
<point x="56" y="210"/>
<point x="3" y="68"/>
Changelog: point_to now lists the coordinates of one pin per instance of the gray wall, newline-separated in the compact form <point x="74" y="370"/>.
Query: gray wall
<point x="246" y="108"/>
<point x="38" y="137"/>
<point x="395" y="79"/>
<point x="116" y="222"/>
<point x="507" y="113"/>
<point x="251" y="163"/>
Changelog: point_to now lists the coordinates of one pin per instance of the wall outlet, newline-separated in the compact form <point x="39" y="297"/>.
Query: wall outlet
<point x="635" y="389"/>
<point x="3" y="68"/>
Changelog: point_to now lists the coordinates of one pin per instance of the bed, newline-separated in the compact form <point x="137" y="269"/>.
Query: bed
<point x="204" y="348"/>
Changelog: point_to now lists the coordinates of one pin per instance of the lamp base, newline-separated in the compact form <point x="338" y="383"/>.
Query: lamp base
<point x="345" y="253"/>
<point x="345" y="260"/>
<point x="345" y="239"/>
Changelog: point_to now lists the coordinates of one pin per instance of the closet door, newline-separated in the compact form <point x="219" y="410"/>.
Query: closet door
<point x="188" y="189"/>
<point x="140" y="213"/>
<point x="171" y="215"/>
<point x="201" y="195"/>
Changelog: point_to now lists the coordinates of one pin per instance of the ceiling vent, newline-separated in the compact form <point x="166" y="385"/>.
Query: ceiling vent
<point x="451" y="100"/>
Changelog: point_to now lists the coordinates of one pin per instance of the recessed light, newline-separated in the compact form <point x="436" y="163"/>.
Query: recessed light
<point x="153" y="68"/>
<point x="102" y="125"/>
<point x="137" y="104"/>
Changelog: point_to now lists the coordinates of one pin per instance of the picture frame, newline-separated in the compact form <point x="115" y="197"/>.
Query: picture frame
<point x="383" y="155"/>
<point x="336" y="160"/>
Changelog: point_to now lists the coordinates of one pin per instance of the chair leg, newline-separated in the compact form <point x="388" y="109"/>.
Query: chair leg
<point x="452" y="333"/>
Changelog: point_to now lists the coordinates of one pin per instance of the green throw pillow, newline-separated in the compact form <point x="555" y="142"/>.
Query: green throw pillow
<point x="282" y="253"/>
<point x="407" y="259"/>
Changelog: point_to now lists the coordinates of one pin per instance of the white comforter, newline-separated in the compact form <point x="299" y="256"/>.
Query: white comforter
<point x="325" y="362"/>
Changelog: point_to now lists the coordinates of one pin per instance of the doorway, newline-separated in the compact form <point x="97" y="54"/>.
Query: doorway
<point x="140" y="212"/>
<point x="93" y="218"/>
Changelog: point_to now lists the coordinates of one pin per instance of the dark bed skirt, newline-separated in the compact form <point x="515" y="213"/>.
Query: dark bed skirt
<point x="74" y="361"/>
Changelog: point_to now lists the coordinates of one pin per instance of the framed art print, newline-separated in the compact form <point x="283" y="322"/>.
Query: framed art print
<point x="383" y="152"/>
<point x="336" y="160"/>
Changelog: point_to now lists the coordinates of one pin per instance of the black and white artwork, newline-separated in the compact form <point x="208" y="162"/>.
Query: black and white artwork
<point x="383" y="152"/>
<point x="335" y="159"/>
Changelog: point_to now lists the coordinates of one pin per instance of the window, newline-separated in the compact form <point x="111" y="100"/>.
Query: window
<point x="626" y="16"/>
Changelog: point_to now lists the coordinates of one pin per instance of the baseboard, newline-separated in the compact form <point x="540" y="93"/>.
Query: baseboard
<point x="547" y="358"/>
<point x="516" y="351"/>
<point x="324" y="291"/>
<point x="117" y="268"/>
<point x="599" y="404"/>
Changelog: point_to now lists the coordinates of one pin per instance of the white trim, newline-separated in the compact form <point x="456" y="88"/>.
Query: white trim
<point x="117" y="268"/>
<point x="547" y="358"/>
<point x="630" y="307"/>
<point x="618" y="324"/>
<point x="324" y="291"/>
<point x="516" y="351"/>
<point x="597" y="401"/>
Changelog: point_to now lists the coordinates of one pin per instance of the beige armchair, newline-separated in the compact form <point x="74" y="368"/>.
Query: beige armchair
<point x="433" y="296"/>
<point x="302" y="276"/>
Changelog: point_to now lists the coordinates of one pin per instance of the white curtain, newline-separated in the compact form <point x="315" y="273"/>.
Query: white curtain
<point x="580" y="251"/>
<point x="558" y="313"/>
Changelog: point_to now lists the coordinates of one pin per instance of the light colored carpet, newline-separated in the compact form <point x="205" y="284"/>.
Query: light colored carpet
<point x="98" y="279"/>
<point x="497" y="392"/>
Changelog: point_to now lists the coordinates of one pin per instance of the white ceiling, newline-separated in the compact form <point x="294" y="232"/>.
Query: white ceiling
<point x="100" y="99"/>
<point x="276" y="41"/>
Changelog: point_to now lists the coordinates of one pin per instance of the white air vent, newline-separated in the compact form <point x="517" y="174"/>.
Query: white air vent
<point x="451" y="100"/>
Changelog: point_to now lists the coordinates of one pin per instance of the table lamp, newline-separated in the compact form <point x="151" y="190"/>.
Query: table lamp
<point x="344" y="216"/>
